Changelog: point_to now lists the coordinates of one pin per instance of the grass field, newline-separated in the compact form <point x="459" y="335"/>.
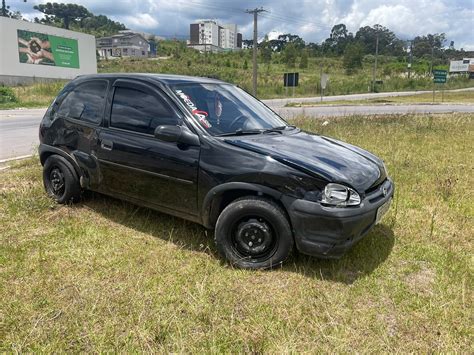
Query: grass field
<point x="104" y="275"/>
<point x="461" y="97"/>
<point x="32" y="96"/>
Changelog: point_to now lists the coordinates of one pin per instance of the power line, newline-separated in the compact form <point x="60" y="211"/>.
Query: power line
<point x="294" y="20"/>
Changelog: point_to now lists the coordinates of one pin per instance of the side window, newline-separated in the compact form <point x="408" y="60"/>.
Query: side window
<point x="85" y="102"/>
<point x="138" y="111"/>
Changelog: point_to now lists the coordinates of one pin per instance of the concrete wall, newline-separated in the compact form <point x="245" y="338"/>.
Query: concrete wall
<point x="13" y="72"/>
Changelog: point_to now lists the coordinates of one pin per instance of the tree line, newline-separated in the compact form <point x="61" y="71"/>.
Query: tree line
<point x="353" y="47"/>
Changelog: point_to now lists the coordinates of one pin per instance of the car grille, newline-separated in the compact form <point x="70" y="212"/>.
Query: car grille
<point x="375" y="193"/>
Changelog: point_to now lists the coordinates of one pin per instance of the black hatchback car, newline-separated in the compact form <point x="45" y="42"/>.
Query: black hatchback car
<point x="207" y="151"/>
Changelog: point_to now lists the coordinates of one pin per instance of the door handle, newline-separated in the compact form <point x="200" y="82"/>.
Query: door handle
<point x="106" y="144"/>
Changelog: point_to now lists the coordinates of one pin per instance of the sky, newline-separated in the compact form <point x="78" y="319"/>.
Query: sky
<point x="311" y="19"/>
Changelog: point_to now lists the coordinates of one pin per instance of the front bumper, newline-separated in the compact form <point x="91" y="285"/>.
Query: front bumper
<point x="328" y="232"/>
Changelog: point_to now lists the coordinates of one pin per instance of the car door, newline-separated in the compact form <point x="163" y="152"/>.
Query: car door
<point x="81" y="112"/>
<point x="137" y="165"/>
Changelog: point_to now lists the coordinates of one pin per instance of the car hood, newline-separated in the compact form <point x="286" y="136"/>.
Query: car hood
<point x="320" y="156"/>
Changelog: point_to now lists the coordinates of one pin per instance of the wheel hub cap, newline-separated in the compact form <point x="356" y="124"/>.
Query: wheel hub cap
<point x="253" y="237"/>
<point x="57" y="180"/>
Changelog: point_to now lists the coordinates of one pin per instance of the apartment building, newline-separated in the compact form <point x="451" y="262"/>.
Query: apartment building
<point x="208" y="35"/>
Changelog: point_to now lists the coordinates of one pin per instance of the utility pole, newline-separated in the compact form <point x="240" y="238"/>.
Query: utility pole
<point x="374" y="73"/>
<point x="410" y="57"/>
<point x="321" y="79"/>
<point x="255" y="13"/>
<point x="432" y="55"/>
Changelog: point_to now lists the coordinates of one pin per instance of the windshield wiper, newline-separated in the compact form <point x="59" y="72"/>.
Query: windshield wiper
<point x="240" y="132"/>
<point x="278" y="129"/>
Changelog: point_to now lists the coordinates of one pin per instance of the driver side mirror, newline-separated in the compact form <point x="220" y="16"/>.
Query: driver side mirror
<point x="177" y="134"/>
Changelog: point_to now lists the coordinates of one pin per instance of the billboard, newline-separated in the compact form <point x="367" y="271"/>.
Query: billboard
<point x="44" y="49"/>
<point x="460" y="66"/>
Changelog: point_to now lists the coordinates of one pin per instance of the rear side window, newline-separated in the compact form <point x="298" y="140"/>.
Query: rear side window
<point x="138" y="111"/>
<point x="85" y="102"/>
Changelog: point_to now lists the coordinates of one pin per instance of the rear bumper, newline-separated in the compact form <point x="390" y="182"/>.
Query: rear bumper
<point x="328" y="232"/>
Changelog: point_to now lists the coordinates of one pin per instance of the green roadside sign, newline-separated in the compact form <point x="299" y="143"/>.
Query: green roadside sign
<point x="439" y="76"/>
<point x="439" y="72"/>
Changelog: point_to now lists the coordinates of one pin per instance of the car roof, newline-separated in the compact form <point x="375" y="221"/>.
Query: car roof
<point x="167" y="79"/>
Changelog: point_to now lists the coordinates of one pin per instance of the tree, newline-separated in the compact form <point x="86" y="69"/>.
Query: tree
<point x="66" y="13"/>
<point x="248" y="43"/>
<point x="266" y="51"/>
<point x="101" y="26"/>
<point x="339" y="38"/>
<point x="353" y="55"/>
<point x="6" y="12"/>
<point x="304" y="60"/>
<point x="389" y="44"/>
<point x="289" y="55"/>
<point x="296" y="40"/>
<point x="424" y="45"/>
<point x="314" y="49"/>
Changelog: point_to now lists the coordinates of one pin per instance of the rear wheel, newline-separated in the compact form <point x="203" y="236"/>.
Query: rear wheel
<point x="60" y="180"/>
<point x="253" y="233"/>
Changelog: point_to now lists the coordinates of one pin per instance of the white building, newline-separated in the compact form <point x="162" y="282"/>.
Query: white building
<point x="208" y="35"/>
<point x="31" y="52"/>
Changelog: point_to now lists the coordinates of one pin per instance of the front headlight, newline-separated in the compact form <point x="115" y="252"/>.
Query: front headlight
<point x="340" y="196"/>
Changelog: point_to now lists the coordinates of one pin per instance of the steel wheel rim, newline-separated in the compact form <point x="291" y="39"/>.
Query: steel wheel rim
<point x="57" y="181"/>
<point x="253" y="238"/>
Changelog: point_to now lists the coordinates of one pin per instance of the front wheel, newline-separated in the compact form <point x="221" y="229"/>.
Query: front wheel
<point x="253" y="233"/>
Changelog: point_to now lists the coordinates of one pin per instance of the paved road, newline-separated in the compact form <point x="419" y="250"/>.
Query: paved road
<point x="19" y="132"/>
<point x="282" y="102"/>
<point x="19" y="128"/>
<point x="347" y="110"/>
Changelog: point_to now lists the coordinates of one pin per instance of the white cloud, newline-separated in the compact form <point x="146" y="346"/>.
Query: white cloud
<point x="142" y="21"/>
<point x="311" y="19"/>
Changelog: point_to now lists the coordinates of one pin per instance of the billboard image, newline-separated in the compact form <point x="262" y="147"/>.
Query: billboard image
<point x="43" y="49"/>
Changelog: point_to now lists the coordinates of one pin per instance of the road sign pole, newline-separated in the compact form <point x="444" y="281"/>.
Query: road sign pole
<point x="320" y="80"/>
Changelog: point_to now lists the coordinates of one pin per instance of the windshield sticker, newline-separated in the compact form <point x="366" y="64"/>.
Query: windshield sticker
<point x="201" y="115"/>
<point x="218" y="107"/>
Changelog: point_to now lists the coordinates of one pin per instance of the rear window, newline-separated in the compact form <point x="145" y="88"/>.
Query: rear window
<point x="85" y="102"/>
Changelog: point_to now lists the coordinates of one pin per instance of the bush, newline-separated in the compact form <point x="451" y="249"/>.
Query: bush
<point x="7" y="95"/>
<point x="353" y="56"/>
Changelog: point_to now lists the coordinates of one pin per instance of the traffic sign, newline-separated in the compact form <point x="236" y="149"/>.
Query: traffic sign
<point x="439" y="79"/>
<point x="324" y="81"/>
<point x="439" y="72"/>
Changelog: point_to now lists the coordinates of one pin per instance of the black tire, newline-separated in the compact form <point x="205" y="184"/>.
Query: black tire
<point x="60" y="180"/>
<point x="253" y="233"/>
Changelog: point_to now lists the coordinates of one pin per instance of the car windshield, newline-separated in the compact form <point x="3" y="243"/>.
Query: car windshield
<point x="224" y="109"/>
